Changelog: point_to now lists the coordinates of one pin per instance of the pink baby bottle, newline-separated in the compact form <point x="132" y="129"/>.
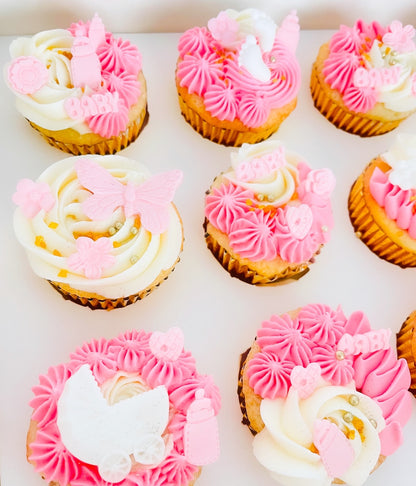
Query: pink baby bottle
<point x="85" y="65"/>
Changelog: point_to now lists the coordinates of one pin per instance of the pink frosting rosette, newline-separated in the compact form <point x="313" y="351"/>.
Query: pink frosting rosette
<point x="115" y="365"/>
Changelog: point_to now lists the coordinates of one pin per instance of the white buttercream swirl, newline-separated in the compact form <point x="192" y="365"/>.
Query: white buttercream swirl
<point x="398" y="96"/>
<point x="285" y="446"/>
<point x="278" y="187"/>
<point x="402" y="159"/>
<point x="139" y="257"/>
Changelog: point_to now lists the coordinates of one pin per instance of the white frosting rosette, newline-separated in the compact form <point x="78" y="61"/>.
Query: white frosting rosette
<point x="402" y="159"/>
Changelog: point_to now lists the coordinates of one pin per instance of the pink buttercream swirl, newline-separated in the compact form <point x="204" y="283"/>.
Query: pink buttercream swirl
<point x="286" y="337"/>
<point x="222" y="101"/>
<point x="346" y="40"/>
<point x="398" y="203"/>
<point x="182" y="396"/>
<point x="197" y="40"/>
<point x="91" y="477"/>
<point x="339" y="69"/>
<point x="254" y="236"/>
<point x="336" y="370"/>
<point x="323" y="324"/>
<point x="110" y="124"/>
<point x="175" y="470"/>
<point x="268" y="375"/>
<point x="125" y="84"/>
<point x="130" y="350"/>
<point x="227" y="204"/>
<point x="119" y="55"/>
<point x="198" y="72"/>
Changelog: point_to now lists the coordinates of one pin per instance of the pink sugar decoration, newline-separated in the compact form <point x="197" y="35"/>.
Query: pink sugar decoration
<point x="167" y="346"/>
<point x="32" y="197"/>
<point x="27" y="74"/>
<point x="92" y="257"/>
<point x="305" y="380"/>
<point x="224" y="29"/>
<point x="299" y="220"/>
<point x="399" y="37"/>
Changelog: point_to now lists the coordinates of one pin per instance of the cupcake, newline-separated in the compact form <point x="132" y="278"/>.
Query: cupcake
<point x="238" y="79"/>
<point x="324" y="395"/>
<point x="381" y="203"/>
<point x="269" y="214"/>
<point x="406" y="347"/>
<point x="364" y="79"/>
<point x="82" y="89"/>
<point x="130" y="411"/>
<point x="100" y="229"/>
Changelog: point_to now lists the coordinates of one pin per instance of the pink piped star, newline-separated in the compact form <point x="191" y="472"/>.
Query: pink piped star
<point x="399" y="37"/>
<point x="92" y="257"/>
<point x="32" y="197"/>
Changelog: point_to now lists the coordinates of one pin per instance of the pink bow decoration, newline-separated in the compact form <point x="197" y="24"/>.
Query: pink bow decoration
<point x="150" y="200"/>
<point x="32" y="197"/>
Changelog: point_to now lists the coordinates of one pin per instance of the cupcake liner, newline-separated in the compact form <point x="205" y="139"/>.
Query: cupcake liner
<point x="246" y="274"/>
<point x="241" y="398"/>
<point x="370" y="233"/>
<point x="106" y="147"/>
<point x="87" y="300"/>
<point x="224" y="136"/>
<point x="406" y="347"/>
<point x="356" y="123"/>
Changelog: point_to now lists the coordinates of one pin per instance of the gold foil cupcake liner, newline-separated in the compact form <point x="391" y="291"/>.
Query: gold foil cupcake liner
<point x="356" y="123"/>
<point x="106" y="147"/>
<point x="406" y="347"/>
<point x="246" y="274"/>
<point x="224" y="136"/>
<point x="370" y="233"/>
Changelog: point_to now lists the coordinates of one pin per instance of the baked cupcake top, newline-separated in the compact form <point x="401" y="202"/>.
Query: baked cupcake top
<point x="393" y="183"/>
<point x="81" y="78"/>
<point x="242" y="65"/>
<point x="271" y="204"/>
<point x="333" y="396"/>
<point x="101" y="224"/>
<point x="369" y="64"/>
<point x="129" y="410"/>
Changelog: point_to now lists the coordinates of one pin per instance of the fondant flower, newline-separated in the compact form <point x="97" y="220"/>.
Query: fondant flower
<point x="320" y="182"/>
<point x="92" y="257"/>
<point x="95" y="354"/>
<point x="47" y="394"/>
<point x="285" y="337"/>
<point x="130" y="350"/>
<point x="268" y="375"/>
<point x="399" y="37"/>
<point x="225" y="30"/>
<point x="227" y="204"/>
<point x="305" y="380"/>
<point x="324" y="325"/>
<point x="336" y="368"/>
<point x="32" y="197"/>
<point x="27" y="74"/>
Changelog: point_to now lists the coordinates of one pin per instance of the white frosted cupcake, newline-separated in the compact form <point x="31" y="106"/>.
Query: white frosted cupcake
<point x="100" y="229"/>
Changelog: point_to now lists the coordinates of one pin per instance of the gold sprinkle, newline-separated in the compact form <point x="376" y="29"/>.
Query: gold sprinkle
<point x="351" y="434"/>
<point x="40" y="241"/>
<point x="53" y="225"/>
<point x="116" y="244"/>
<point x="57" y="253"/>
<point x="63" y="273"/>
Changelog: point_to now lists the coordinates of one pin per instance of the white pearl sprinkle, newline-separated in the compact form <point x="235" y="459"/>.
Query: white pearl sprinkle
<point x="134" y="259"/>
<point x="340" y="354"/>
<point x="134" y="230"/>
<point x="112" y="231"/>
<point x="118" y="225"/>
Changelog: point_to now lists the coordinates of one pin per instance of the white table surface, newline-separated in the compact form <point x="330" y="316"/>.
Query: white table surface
<point x="219" y="314"/>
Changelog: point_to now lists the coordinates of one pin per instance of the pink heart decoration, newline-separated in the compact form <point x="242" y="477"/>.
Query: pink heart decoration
<point x="167" y="346"/>
<point x="299" y="220"/>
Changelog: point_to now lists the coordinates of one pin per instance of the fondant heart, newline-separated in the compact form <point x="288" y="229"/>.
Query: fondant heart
<point x="299" y="220"/>
<point x="167" y="345"/>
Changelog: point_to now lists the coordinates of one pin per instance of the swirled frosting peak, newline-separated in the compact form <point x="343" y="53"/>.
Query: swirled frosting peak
<point x="333" y="395"/>
<point x="99" y="223"/>
<point x="242" y="65"/>
<point x="271" y="204"/>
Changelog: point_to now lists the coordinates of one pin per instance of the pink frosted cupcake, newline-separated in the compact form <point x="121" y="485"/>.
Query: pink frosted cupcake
<point x="238" y="79"/>
<point x="130" y="411"/>
<point x="364" y="79"/>
<point x="82" y="89"/>
<point x="326" y="392"/>
<point x="267" y="217"/>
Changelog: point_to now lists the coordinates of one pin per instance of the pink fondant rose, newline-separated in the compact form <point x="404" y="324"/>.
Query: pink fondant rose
<point x="321" y="182"/>
<point x="92" y="257"/>
<point x="27" y="74"/>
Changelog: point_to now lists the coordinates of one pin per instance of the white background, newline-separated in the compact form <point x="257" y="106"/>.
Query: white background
<point x="219" y="314"/>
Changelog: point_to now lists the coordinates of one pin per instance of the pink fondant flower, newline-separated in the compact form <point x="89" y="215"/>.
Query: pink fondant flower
<point x="47" y="394"/>
<point x="399" y="37"/>
<point x="27" y="74"/>
<point x="95" y="354"/>
<point x="51" y="458"/>
<point x="225" y="30"/>
<point x="305" y="380"/>
<point x="32" y="197"/>
<point x="79" y="28"/>
<point x="254" y="236"/>
<point x="227" y="204"/>
<point x="336" y="368"/>
<point x="324" y="325"/>
<point x="286" y="337"/>
<point x="130" y="350"/>
<point x="320" y="182"/>
<point x="92" y="257"/>
<point x="269" y="376"/>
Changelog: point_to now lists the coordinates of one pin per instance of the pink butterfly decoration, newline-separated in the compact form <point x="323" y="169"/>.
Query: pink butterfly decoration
<point x="167" y="345"/>
<point x="32" y="197"/>
<point x="305" y="380"/>
<point x="150" y="200"/>
<point x="91" y="257"/>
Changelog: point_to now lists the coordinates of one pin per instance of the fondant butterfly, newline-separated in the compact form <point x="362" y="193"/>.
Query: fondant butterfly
<point x="149" y="200"/>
